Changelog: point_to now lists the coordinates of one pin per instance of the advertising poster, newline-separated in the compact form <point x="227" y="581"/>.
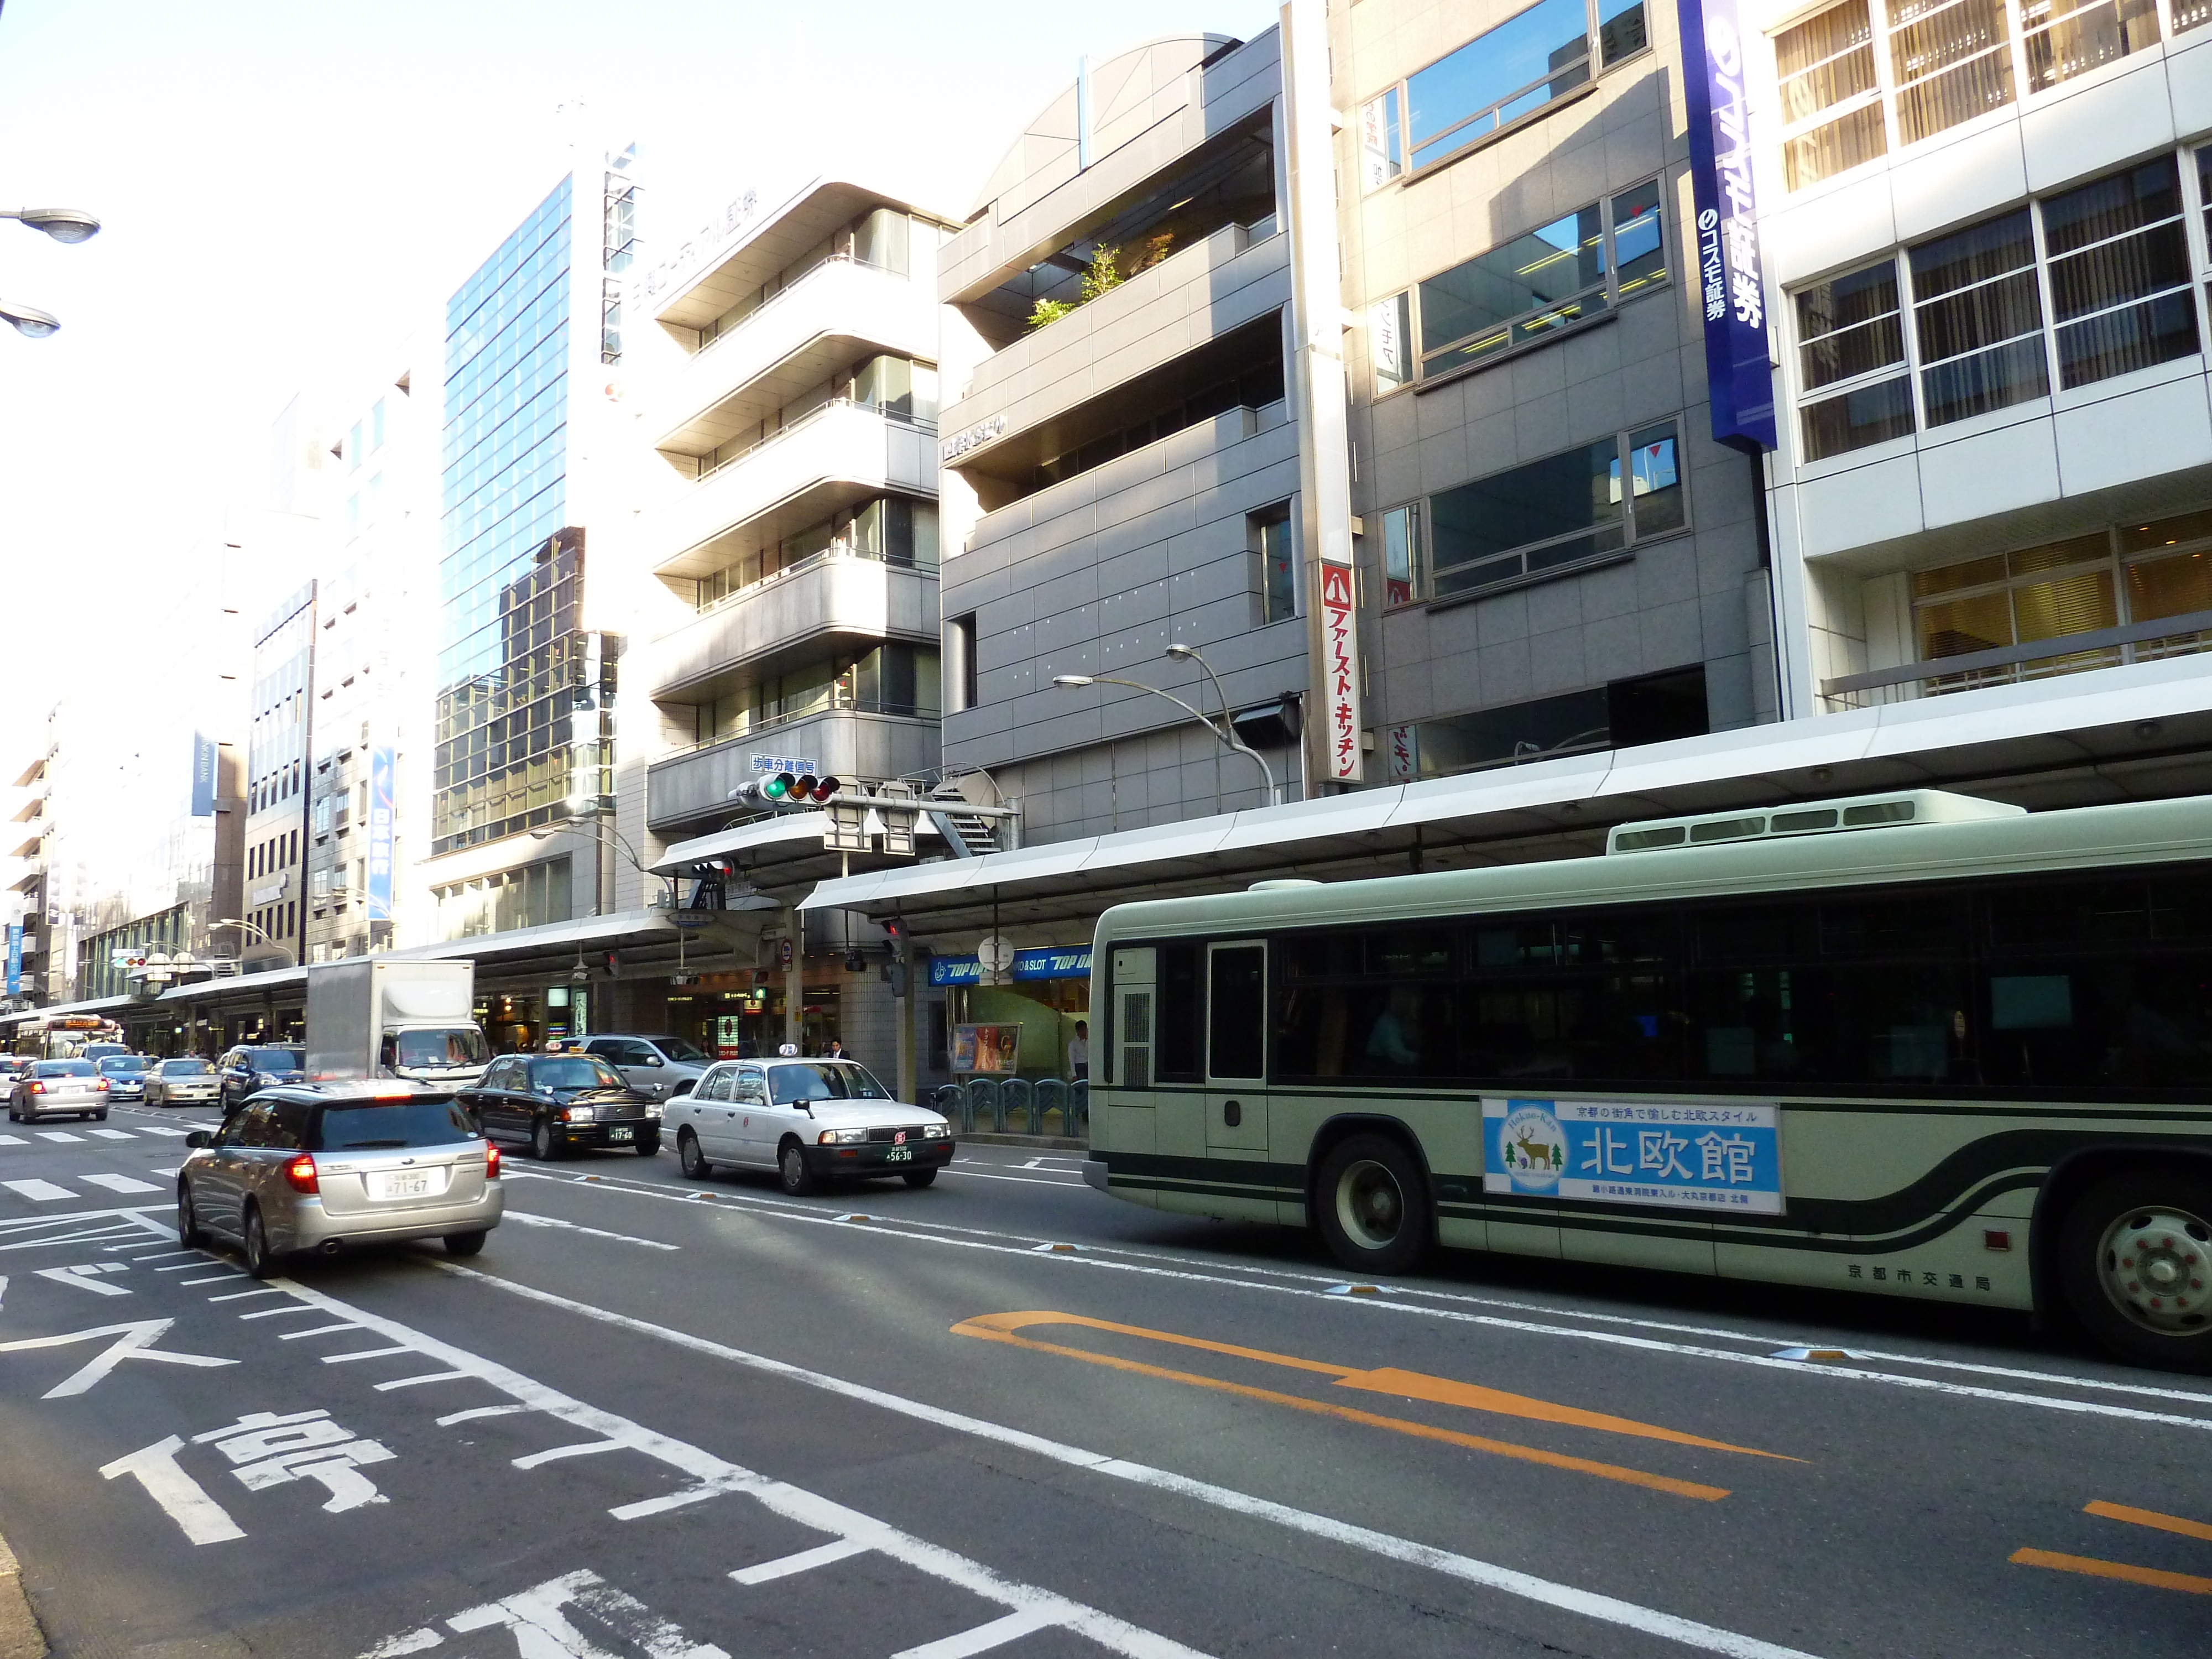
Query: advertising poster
<point x="1340" y="663"/>
<point x="14" y="958"/>
<point x="380" y="834"/>
<point x="203" y="776"/>
<point x="1692" y="1155"/>
<point x="987" y="1049"/>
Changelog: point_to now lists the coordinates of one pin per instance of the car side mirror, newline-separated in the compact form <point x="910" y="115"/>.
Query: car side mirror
<point x="199" y="1138"/>
<point x="654" y="1059"/>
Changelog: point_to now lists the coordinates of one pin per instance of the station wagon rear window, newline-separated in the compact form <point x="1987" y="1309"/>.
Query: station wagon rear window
<point x="382" y="1127"/>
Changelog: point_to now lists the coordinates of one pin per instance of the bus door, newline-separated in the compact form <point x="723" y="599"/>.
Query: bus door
<point x="1236" y="1047"/>
<point x="1122" y="1108"/>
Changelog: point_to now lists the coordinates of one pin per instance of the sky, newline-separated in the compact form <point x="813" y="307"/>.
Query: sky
<point x="287" y="185"/>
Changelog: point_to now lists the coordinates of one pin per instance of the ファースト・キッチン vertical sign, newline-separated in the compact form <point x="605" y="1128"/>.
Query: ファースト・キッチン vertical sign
<point x="1731" y="282"/>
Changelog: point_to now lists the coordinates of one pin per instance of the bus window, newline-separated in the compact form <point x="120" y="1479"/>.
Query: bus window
<point x="1178" y="1011"/>
<point x="1236" y="1011"/>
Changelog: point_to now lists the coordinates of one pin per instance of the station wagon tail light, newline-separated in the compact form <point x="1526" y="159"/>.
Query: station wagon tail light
<point x="840" y="1137"/>
<point x="37" y="1088"/>
<point x="300" y="1173"/>
<point x="491" y="1162"/>
<point x="99" y="1083"/>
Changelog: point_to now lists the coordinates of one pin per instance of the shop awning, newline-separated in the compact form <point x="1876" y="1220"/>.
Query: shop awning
<point x="2118" y="734"/>
<point x="102" y="1006"/>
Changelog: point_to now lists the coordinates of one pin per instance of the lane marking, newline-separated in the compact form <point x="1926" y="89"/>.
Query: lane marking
<point x="1412" y="1385"/>
<point x="266" y="1313"/>
<point x="805" y="1561"/>
<point x="119" y="1183"/>
<point x="427" y="1376"/>
<point x="319" y="1330"/>
<point x="581" y="1449"/>
<point x="39" y="1192"/>
<point x="451" y="1417"/>
<point x="240" y="1295"/>
<point x="1025" y="1181"/>
<point x="2148" y="1518"/>
<point x="182" y="1498"/>
<point x="364" y="1353"/>
<point x="982" y="1639"/>
<point x="1350" y="1414"/>
<point x="529" y="1220"/>
<point x="213" y="1279"/>
<point x="1098" y="1258"/>
<point x="2089" y="1567"/>
<point x="1591" y="1604"/>
<point x="711" y="1476"/>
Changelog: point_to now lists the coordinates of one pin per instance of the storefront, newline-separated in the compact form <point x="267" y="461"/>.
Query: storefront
<point x="741" y="1015"/>
<point x="1020" y="1027"/>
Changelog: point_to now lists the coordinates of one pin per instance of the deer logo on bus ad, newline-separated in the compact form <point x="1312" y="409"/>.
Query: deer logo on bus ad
<point x="1700" y="1155"/>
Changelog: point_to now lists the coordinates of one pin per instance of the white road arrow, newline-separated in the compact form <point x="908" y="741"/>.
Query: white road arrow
<point x="132" y="1341"/>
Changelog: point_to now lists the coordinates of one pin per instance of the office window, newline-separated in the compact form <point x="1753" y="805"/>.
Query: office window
<point x="1275" y="575"/>
<point x="2120" y="285"/>
<point x="1852" y="347"/>
<point x="1493" y="81"/>
<point x="1401" y="554"/>
<point x="1543" y="282"/>
<point x="1949" y="60"/>
<point x="376" y="426"/>
<point x="1556" y="515"/>
<point x="1390" y="341"/>
<point x="1831" y="105"/>
<point x="960" y="676"/>
<point x="880" y="239"/>
<point x="2063" y="38"/>
<point x="1978" y="319"/>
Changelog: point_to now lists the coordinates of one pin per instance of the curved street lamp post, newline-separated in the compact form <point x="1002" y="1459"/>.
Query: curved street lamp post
<point x="1224" y="733"/>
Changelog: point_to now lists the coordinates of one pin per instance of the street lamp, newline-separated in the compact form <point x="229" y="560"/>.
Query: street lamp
<point x="267" y="936"/>
<point x="64" y="225"/>
<point x="600" y="827"/>
<point x="1227" y="738"/>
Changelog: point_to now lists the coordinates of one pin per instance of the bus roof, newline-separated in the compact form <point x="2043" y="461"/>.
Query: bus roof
<point x="2078" y="838"/>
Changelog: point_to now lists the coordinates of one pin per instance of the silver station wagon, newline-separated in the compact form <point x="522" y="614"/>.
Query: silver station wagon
<point x="321" y="1167"/>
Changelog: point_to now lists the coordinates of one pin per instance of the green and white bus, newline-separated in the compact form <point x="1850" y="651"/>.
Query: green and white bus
<point x="1913" y="1044"/>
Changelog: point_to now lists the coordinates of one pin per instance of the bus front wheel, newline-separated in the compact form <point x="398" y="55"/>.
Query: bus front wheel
<point x="2135" y="1259"/>
<point x="1372" y="1203"/>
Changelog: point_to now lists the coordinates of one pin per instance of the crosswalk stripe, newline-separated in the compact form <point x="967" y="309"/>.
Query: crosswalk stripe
<point x="39" y="1192"/>
<point x="57" y="1134"/>
<point x="13" y="1140"/>
<point x="163" y="1129"/>
<point x="112" y="1134"/>
<point x="120" y="1183"/>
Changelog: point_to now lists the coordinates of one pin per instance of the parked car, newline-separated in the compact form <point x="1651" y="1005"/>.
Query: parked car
<point x="257" y="1066"/>
<point x="345" y="1164"/>
<point x="183" y="1082"/>
<point x="561" y="1103"/>
<point x="125" y="1075"/>
<point x="59" y="1088"/>
<point x="659" y="1067"/>
<point x="810" y="1120"/>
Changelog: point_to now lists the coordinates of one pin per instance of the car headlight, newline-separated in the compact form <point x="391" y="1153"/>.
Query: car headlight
<point x="653" y="1108"/>
<point x="578" y="1115"/>
<point x="840" y="1137"/>
<point x="935" y="1130"/>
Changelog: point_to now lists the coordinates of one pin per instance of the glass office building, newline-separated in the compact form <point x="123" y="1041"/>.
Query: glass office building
<point x="511" y="570"/>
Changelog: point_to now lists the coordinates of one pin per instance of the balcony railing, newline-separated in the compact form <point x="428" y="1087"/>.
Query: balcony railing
<point x="781" y="295"/>
<point x="2008" y="665"/>
<point x="799" y="567"/>
<point x="809" y="419"/>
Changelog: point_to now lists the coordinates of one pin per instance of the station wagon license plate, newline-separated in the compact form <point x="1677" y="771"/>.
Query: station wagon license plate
<point x="899" y="1155"/>
<point x="620" y="1134"/>
<point x="402" y="1183"/>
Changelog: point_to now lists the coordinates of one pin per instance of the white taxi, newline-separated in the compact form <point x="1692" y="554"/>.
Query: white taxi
<point x="809" y="1121"/>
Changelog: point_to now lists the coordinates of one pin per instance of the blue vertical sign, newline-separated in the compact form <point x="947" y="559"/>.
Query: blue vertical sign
<point x="1732" y="287"/>
<point x="14" y="958"/>
<point x="203" y="779"/>
<point x="380" y="834"/>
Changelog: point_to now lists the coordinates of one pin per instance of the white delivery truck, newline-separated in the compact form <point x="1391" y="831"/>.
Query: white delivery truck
<point x="371" y="1018"/>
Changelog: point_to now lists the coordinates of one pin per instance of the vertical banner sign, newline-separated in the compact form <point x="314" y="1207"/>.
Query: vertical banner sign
<point x="1339" y="628"/>
<point x="1732" y="288"/>
<point x="14" y="958"/>
<point x="204" y="770"/>
<point x="380" y="834"/>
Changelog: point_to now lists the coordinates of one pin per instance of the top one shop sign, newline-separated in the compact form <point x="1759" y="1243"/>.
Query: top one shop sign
<point x="1732" y="285"/>
<point x="1046" y="962"/>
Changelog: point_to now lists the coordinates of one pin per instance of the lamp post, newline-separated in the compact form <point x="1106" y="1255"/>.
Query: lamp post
<point x="267" y="938"/>
<point x="600" y="829"/>
<point x="64" y="225"/>
<point x="1223" y="733"/>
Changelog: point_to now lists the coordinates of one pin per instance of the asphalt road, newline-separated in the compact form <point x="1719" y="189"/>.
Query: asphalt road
<point x="1008" y="1413"/>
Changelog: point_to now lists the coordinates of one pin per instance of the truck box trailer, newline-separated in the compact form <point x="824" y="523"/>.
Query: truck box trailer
<point x="369" y="1017"/>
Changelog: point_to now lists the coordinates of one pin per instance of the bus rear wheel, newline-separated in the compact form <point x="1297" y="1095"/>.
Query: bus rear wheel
<point x="2135" y="1261"/>
<point x="1372" y="1203"/>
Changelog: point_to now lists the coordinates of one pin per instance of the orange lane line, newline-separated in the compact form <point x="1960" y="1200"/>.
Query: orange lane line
<point x="2090" y="1567"/>
<point x="2150" y="1518"/>
<point x="1410" y="1385"/>
<point x="1422" y="1430"/>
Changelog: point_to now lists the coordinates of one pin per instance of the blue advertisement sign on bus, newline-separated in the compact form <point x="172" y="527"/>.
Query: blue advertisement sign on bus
<point x="1696" y="1155"/>
<point x="1731" y="280"/>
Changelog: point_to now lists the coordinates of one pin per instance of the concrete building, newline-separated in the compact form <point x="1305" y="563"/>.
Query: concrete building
<point x="789" y="395"/>
<point x="271" y="922"/>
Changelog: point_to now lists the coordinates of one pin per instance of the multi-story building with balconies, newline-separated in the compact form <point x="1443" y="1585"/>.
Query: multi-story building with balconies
<point x="791" y="394"/>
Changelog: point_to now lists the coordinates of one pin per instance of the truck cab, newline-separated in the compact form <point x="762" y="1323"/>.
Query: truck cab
<point x="446" y="1056"/>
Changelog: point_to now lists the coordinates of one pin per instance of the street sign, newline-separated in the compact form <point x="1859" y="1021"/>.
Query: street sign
<point x="995" y="954"/>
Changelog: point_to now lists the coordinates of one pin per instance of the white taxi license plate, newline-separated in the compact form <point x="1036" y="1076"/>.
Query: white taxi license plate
<point x="899" y="1155"/>
<point x="620" y="1134"/>
<point x="402" y="1183"/>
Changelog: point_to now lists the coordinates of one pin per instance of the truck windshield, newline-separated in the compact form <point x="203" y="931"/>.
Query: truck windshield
<point x="826" y="1080"/>
<point x="397" y="1123"/>
<point x="457" y="1046"/>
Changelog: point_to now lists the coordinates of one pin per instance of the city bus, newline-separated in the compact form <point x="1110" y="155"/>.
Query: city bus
<point x="1914" y="1044"/>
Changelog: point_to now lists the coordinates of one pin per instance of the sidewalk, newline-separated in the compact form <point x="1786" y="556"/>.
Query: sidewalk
<point x="19" y="1636"/>
<point x="985" y="1137"/>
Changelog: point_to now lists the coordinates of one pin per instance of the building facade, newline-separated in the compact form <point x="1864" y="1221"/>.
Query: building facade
<point x="270" y="926"/>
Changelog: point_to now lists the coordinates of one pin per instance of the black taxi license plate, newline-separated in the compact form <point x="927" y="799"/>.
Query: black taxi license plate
<point x="620" y="1134"/>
